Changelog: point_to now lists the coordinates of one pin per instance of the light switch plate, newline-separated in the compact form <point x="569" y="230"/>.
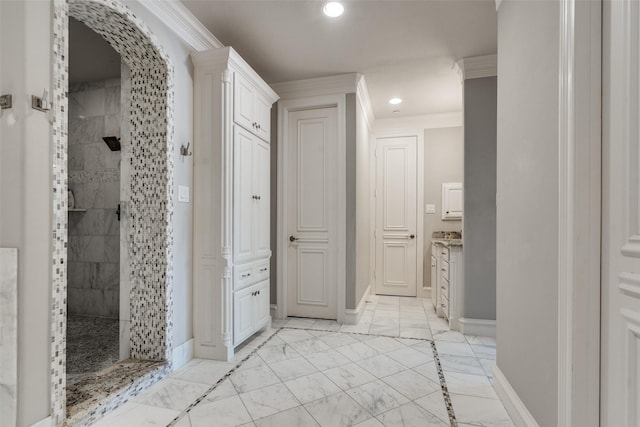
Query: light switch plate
<point x="430" y="209"/>
<point x="183" y="193"/>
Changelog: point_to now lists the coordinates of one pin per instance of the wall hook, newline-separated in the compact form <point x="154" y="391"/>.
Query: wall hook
<point x="40" y="104"/>
<point x="184" y="151"/>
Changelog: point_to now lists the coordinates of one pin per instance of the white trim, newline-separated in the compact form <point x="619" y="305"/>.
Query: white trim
<point x="478" y="327"/>
<point x="427" y="121"/>
<point x="476" y="67"/>
<point x="518" y="412"/>
<point x="47" y="422"/>
<point x="498" y="3"/>
<point x="332" y="85"/>
<point x="352" y="316"/>
<point x="182" y="22"/>
<point x="362" y="92"/>
<point x="273" y="310"/>
<point x="284" y="107"/>
<point x="182" y="354"/>
<point x="579" y="213"/>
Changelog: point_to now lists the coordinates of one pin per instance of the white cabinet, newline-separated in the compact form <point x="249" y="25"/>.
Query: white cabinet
<point x="250" y="311"/>
<point x="452" y="202"/>
<point x="251" y="195"/>
<point x="251" y="110"/>
<point x="231" y="158"/>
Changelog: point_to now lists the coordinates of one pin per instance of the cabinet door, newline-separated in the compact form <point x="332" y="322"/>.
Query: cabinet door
<point x="434" y="280"/>
<point x="263" y="117"/>
<point x="244" y="96"/>
<point x="243" y="314"/>
<point x="262" y="206"/>
<point x="244" y="197"/>
<point x="262" y="305"/>
<point x="452" y="200"/>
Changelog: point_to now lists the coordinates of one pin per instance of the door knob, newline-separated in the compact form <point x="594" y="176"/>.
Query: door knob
<point x="292" y="238"/>
<point x="413" y="236"/>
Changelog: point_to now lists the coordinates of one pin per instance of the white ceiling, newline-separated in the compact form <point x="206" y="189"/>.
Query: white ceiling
<point x="91" y="58"/>
<point x="403" y="48"/>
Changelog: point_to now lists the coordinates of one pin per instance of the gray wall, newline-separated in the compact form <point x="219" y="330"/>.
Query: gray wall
<point x="94" y="177"/>
<point x="527" y="203"/>
<point x="443" y="162"/>
<point x="479" y="227"/>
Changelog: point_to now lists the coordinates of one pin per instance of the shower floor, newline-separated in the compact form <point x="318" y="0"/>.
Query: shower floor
<point x="92" y="345"/>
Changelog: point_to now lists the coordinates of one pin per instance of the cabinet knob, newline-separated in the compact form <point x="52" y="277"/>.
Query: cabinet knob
<point x="254" y="124"/>
<point x="447" y="211"/>
<point x="412" y="236"/>
<point x="245" y="275"/>
<point x="292" y="238"/>
<point x="258" y="125"/>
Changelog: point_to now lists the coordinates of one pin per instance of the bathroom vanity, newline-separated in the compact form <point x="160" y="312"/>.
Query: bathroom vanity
<point x="447" y="276"/>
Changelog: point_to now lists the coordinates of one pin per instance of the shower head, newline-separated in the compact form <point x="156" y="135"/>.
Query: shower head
<point x="113" y="142"/>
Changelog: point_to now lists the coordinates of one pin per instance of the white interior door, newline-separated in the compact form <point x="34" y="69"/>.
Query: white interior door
<point x="621" y="215"/>
<point x="312" y="217"/>
<point x="396" y="229"/>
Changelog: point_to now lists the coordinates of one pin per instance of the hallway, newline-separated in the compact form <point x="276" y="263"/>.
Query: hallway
<point x="305" y="372"/>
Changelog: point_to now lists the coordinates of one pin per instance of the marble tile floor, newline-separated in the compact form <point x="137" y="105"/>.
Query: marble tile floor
<point x="309" y="372"/>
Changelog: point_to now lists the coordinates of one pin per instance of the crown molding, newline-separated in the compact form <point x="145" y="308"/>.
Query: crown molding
<point x="362" y="93"/>
<point x="427" y="121"/>
<point x="498" y="3"/>
<point x="343" y="83"/>
<point x="476" y="67"/>
<point x="182" y="22"/>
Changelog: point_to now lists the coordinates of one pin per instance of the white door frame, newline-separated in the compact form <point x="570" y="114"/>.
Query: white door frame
<point x="399" y="133"/>
<point x="579" y="245"/>
<point x="284" y="107"/>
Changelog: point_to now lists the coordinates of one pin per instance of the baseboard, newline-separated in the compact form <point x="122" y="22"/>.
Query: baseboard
<point x="518" y="412"/>
<point x="182" y="354"/>
<point x="47" y="422"/>
<point x="426" y="292"/>
<point x="480" y="327"/>
<point x="352" y="316"/>
<point x="273" y="309"/>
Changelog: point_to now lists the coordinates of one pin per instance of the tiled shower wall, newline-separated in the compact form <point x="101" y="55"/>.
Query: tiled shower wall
<point x="94" y="177"/>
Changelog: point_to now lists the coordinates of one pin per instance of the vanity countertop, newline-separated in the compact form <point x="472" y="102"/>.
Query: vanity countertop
<point x="447" y="242"/>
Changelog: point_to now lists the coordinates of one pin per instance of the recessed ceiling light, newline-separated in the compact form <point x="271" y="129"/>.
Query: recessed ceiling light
<point x="395" y="101"/>
<point x="333" y="9"/>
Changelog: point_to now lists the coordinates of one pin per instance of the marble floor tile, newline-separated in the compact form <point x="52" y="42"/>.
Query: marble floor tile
<point x="327" y="359"/>
<point x="470" y="385"/>
<point x="171" y="394"/>
<point x="298" y="417"/>
<point x="420" y="333"/>
<point x="251" y="379"/>
<point x="337" y="410"/>
<point x="371" y="422"/>
<point x="252" y="362"/>
<point x="183" y="422"/>
<point x="376" y="398"/>
<point x="434" y="404"/>
<point x="338" y="340"/>
<point x="454" y="348"/>
<point x="349" y="376"/>
<point x="222" y="391"/>
<point x="484" y="351"/>
<point x="411" y="385"/>
<point x="277" y="353"/>
<point x="429" y="370"/>
<point x="203" y="371"/>
<point x="409" y="357"/>
<point x="385" y="344"/>
<point x="410" y="415"/>
<point x="137" y="415"/>
<point x="299" y="322"/>
<point x="268" y="400"/>
<point x="381" y="366"/>
<point x="360" y="328"/>
<point x="292" y="368"/>
<point x="477" y="340"/>
<point x="423" y="347"/>
<point x="480" y="411"/>
<point x="292" y="335"/>
<point x="312" y="387"/>
<point x="466" y="365"/>
<point x="310" y="346"/>
<point x="357" y="351"/>
<point x="452" y="336"/>
<point x="393" y="331"/>
<point x="325" y="325"/>
<point x="487" y="366"/>
<point x="416" y="324"/>
<point x="229" y="412"/>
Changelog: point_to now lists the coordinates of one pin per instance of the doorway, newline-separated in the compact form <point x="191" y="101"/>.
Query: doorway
<point x="146" y="321"/>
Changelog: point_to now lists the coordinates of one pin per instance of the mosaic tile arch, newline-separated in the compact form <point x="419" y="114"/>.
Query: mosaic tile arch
<point x="151" y="181"/>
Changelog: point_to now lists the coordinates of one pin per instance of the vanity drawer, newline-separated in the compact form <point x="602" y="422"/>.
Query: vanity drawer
<point x="444" y="269"/>
<point x="261" y="270"/>
<point x="444" y="252"/>
<point x="243" y="276"/>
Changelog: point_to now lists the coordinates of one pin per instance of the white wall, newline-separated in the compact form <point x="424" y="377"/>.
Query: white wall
<point x="527" y="203"/>
<point x="25" y="198"/>
<point x="25" y="187"/>
<point x="443" y="161"/>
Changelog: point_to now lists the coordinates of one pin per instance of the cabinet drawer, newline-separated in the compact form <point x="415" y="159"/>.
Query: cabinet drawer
<point x="444" y="252"/>
<point x="243" y="276"/>
<point x="261" y="270"/>
<point x="444" y="269"/>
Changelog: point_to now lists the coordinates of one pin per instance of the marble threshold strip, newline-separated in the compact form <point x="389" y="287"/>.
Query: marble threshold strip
<point x="436" y="358"/>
